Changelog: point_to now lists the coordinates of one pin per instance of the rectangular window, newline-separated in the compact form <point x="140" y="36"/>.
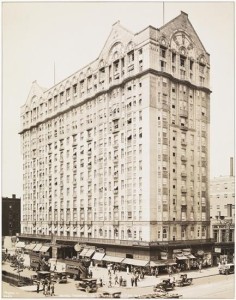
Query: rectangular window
<point x="182" y="61"/>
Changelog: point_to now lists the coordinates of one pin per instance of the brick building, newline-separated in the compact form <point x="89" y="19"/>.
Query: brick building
<point x="11" y="215"/>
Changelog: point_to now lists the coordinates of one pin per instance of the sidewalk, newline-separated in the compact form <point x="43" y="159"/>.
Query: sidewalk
<point x="151" y="280"/>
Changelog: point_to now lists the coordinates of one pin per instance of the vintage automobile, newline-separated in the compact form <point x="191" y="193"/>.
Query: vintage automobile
<point x="165" y="285"/>
<point x="184" y="280"/>
<point x="226" y="269"/>
<point x="60" y="277"/>
<point x="87" y="285"/>
<point x="41" y="276"/>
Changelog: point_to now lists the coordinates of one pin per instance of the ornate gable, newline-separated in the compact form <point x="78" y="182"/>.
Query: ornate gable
<point x="116" y="42"/>
<point x="36" y="94"/>
<point x="180" y="32"/>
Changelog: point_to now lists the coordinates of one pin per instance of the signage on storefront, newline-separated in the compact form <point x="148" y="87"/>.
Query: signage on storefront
<point x="200" y="252"/>
<point x="163" y="255"/>
<point x="100" y="250"/>
<point x="177" y="251"/>
<point x="217" y="250"/>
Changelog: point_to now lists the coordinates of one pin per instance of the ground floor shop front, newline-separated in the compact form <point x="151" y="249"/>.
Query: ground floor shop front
<point x="183" y="255"/>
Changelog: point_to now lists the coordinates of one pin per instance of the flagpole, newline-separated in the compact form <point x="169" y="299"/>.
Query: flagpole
<point x="163" y="12"/>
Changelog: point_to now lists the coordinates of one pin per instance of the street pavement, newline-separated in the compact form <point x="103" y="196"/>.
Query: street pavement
<point x="69" y="289"/>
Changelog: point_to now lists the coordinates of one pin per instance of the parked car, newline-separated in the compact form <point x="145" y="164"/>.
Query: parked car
<point x="60" y="277"/>
<point x="87" y="285"/>
<point x="226" y="269"/>
<point x="184" y="280"/>
<point x="165" y="285"/>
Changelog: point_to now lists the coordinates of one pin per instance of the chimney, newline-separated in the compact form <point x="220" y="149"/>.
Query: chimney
<point x="231" y="166"/>
<point x="13" y="196"/>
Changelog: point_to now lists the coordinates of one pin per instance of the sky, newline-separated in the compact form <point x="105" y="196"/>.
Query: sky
<point x="72" y="34"/>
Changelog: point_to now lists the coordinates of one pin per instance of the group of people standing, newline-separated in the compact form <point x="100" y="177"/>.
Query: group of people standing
<point x="48" y="288"/>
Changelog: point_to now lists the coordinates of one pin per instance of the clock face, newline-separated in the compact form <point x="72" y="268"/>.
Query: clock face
<point x="181" y="43"/>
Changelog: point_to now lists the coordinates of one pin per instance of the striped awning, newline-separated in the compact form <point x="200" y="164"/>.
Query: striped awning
<point x="191" y="256"/>
<point x="20" y="245"/>
<point x="115" y="259"/>
<point x="30" y="246"/>
<point x="84" y="252"/>
<point x="181" y="257"/>
<point x="45" y="248"/>
<point x="37" y="247"/>
<point x="98" y="256"/>
<point x="89" y="253"/>
<point x="135" y="262"/>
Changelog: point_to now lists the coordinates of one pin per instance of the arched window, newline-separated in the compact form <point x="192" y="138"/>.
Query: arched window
<point x="164" y="233"/>
<point x="100" y="232"/>
<point x="129" y="233"/>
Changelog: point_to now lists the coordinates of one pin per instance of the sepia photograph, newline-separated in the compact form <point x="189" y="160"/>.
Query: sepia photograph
<point x="117" y="169"/>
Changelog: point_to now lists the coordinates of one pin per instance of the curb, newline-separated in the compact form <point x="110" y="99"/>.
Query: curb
<point x="192" y="277"/>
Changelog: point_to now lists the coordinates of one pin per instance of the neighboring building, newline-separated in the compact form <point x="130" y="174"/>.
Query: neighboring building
<point x="117" y="155"/>
<point x="11" y="215"/>
<point x="222" y="212"/>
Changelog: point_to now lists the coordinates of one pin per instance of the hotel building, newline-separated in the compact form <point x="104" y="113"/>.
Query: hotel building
<point x="116" y="156"/>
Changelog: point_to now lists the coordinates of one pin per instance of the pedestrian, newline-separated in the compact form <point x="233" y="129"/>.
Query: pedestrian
<point x="132" y="280"/>
<point x="52" y="290"/>
<point x="110" y="285"/>
<point x="37" y="287"/>
<point x="120" y="280"/>
<point x="170" y="271"/>
<point x="116" y="280"/>
<point x="200" y="267"/>
<point x="136" y="280"/>
<point x="44" y="288"/>
<point x="156" y="272"/>
<point x="48" y="289"/>
<point x="101" y="283"/>
<point x="96" y="266"/>
<point x="127" y="270"/>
